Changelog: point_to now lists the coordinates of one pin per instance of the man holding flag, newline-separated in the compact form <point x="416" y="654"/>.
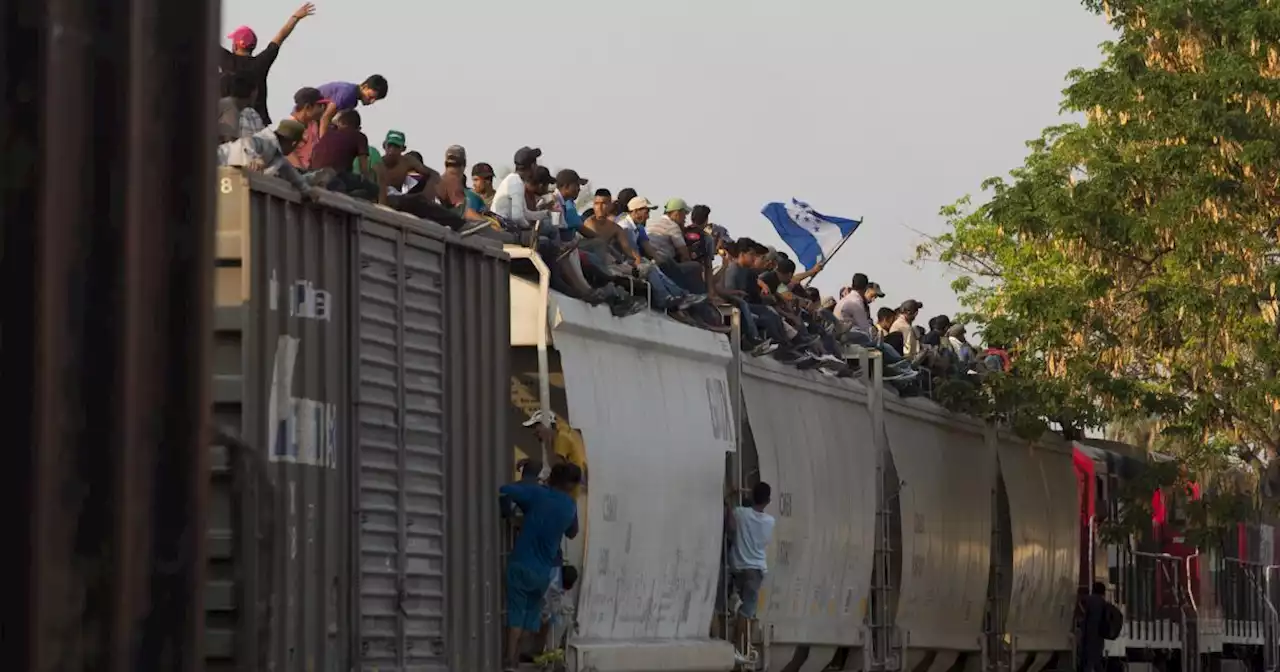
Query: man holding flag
<point x="813" y="236"/>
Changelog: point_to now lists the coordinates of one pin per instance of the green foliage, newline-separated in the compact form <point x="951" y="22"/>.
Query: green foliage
<point x="1129" y="263"/>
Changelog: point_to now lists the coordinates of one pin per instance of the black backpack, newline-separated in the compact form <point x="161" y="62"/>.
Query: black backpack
<point x="1112" y="623"/>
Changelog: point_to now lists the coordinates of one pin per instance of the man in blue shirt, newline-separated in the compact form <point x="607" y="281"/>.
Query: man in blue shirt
<point x="549" y="514"/>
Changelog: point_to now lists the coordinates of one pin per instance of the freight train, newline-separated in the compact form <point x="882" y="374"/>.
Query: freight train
<point x="907" y="538"/>
<point x="372" y="372"/>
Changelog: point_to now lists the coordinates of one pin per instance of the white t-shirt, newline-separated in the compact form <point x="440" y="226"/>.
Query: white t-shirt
<point x="755" y="530"/>
<point x="508" y="200"/>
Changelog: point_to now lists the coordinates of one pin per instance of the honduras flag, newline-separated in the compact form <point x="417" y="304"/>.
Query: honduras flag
<point x="812" y="235"/>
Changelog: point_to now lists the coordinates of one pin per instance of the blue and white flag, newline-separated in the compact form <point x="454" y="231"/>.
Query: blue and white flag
<point x="812" y="235"/>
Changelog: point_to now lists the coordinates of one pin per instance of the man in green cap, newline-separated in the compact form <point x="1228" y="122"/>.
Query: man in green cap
<point x="666" y="235"/>
<point x="395" y="168"/>
<point x="265" y="152"/>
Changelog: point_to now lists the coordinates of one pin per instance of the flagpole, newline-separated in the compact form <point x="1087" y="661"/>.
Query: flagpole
<point x="827" y="258"/>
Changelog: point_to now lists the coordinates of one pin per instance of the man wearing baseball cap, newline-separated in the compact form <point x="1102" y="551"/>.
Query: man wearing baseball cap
<point x="508" y="200"/>
<point x="265" y="152"/>
<point x="453" y="194"/>
<point x="308" y="105"/>
<point x="240" y="58"/>
<point x="666" y="235"/>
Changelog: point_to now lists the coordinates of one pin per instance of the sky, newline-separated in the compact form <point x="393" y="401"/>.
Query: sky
<point x="884" y="111"/>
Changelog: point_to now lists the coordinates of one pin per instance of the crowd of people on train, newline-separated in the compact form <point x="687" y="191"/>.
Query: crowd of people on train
<point x="624" y="251"/>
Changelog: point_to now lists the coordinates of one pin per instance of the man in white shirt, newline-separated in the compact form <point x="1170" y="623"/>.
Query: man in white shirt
<point x="508" y="199"/>
<point x="752" y="531"/>
<point x="853" y="313"/>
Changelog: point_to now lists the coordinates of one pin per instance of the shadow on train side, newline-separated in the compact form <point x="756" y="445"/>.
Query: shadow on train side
<point x="984" y="538"/>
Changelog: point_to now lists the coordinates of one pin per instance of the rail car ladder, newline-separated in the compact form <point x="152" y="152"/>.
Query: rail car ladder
<point x="997" y="649"/>
<point x="883" y="652"/>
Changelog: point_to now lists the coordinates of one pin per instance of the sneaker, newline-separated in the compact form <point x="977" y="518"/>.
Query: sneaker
<point x="763" y="348"/>
<point x="901" y="377"/>
<point x="810" y="361"/>
<point x="846" y="372"/>
<point x="830" y="373"/>
<point x="635" y="306"/>
<point x="690" y="300"/>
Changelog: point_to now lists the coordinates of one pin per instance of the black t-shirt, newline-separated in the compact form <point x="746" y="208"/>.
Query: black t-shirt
<point x="743" y="280"/>
<point x="699" y="244"/>
<point x="338" y="149"/>
<point x="257" y="66"/>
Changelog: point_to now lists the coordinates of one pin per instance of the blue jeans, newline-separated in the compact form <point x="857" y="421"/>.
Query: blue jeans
<point x="890" y="355"/>
<point x="687" y="274"/>
<point x="749" y="328"/>
<point x="770" y="321"/>
<point x="665" y="290"/>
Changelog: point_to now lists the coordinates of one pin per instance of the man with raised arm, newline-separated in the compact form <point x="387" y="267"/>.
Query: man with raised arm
<point x="241" y="59"/>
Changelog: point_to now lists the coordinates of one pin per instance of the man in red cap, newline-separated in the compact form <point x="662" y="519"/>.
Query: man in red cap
<point x="240" y="58"/>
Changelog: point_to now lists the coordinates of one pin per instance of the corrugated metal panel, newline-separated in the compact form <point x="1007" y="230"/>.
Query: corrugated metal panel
<point x="401" y="450"/>
<point x="105" y="330"/>
<point x="413" y="438"/>
<point x="815" y="446"/>
<point x="431" y="404"/>
<point x="654" y="514"/>
<point x="1046" y="540"/>
<point x="281" y="379"/>
<point x="477" y="384"/>
<point x="947" y="471"/>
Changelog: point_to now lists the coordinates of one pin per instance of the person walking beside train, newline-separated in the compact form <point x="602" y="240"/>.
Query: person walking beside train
<point x="752" y="531"/>
<point x="550" y="513"/>
<point x="1097" y="620"/>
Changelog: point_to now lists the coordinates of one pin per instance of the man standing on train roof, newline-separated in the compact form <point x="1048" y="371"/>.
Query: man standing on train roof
<point x="550" y="514"/>
<point x="752" y="531"/>
<point x="241" y="59"/>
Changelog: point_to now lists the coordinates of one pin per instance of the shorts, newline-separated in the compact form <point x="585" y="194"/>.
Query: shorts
<point x="525" y="590"/>
<point x="746" y="582"/>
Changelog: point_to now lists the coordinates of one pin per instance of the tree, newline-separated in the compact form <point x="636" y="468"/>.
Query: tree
<point x="1129" y="263"/>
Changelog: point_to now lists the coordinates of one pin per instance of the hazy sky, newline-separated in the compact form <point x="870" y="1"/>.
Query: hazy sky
<point x="883" y="110"/>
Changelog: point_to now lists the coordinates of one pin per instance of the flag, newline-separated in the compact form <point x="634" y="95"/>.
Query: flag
<point x="812" y="235"/>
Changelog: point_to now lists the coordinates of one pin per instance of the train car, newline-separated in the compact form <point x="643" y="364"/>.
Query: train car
<point x="978" y="558"/>
<point x="1185" y="606"/>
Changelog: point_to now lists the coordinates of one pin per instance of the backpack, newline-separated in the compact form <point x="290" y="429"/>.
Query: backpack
<point x="1112" y="622"/>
